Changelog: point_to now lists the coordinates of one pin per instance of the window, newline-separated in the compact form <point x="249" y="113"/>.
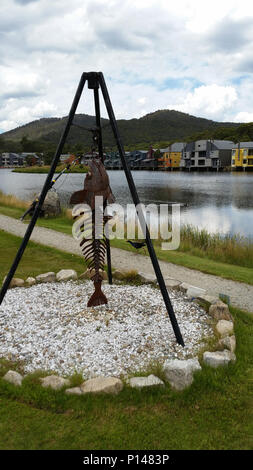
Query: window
<point x="250" y="152"/>
<point x="233" y="161"/>
<point x="245" y="161"/>
<point x="250" y="161"/>
<point x="233" y="153"/>
<point x="201" y="162"/>
<point x="192" y="162"/>
<point x="202" y="154"/>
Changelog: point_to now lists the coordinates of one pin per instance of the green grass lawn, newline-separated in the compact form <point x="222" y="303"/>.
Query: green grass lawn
<point x="187" y="259"/>
<point x="37" y="259"/>
<point x="214" y="413"/>
<point x="45" y="169"/>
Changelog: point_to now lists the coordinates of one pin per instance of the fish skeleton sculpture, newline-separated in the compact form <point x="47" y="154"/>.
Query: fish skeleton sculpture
<point x="96" y="183"/>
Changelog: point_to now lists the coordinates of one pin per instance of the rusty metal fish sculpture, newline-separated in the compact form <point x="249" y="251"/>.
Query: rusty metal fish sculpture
<point x="96" y="183"/>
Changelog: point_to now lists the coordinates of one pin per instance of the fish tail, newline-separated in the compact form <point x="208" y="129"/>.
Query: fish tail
<point x="97" y="298"/>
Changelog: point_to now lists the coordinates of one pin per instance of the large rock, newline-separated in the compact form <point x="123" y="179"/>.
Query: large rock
<point x="147" y="278"/>
<point x="179" y="373"/>
<point x="184" y="286"/>
<point x="140" y="382"/>
<point x="206" y="300"/>
<point x="229" y="342"/>
<point x="73" y="391"/>
<point x="194" y="292"/>
<point x="225" y="328"/>
<point x="47" y="277"/>
<point x="220" y="311"/>
<point x="16" y="282"/>
<point x="119" y="275"/>
<point x="102" y="384"/>
<point x="218" y="358"/>
<point x="30" y="281"/>
<point x="51" y="206"/>
<point x="172" y="283"/>
<point x="54" y="382"/>
<point x="66" y="275"/>
<point x="13" y="377"/>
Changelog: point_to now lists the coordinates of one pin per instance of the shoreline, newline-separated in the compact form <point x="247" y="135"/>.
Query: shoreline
<point x="44" y="170"/>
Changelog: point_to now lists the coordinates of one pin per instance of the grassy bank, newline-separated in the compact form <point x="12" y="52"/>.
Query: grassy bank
<point x="45" y="169"/>
<point x="36" y="259"/>
<point x="228" y="257"/>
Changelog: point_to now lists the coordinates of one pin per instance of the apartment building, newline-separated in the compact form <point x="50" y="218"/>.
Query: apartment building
<point x="206" y="155"/>
<point x="242" y="156"/>
<point x="171" y="156"/>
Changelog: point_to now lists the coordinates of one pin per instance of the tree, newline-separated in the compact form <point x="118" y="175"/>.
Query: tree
<point x="2" y="144"/>
<point x="48" y="157"/>
<point x="26" y="144"/>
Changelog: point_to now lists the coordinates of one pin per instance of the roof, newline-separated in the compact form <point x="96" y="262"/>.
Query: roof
<point x="223" y="144"/>
<point x="243" y="145"/>
<point x="176" y="147"/>
<point x="219" y="144"/>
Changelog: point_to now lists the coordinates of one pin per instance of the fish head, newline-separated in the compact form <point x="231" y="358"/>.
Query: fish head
<point x="96" y="183"/>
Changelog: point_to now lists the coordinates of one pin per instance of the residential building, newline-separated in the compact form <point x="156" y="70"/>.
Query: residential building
<point x="112" y="161"/>
<point x="171" y="156"/>
<point x="10" y="159"/>
<point x="206" y="155"/>
<point x="31" y="158"/>
<point x="64" y="157"/>
<point x="242" y="156"/>
<point x="149" y="162"/>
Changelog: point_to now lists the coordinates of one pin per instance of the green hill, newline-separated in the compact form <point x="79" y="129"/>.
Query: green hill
<point x="162" y="126"/>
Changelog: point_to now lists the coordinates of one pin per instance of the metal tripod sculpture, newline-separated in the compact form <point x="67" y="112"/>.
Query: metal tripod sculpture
<point x="95" y="81"/>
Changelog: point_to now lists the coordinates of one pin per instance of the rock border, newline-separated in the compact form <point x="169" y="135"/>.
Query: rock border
<point x="179" y="373"/>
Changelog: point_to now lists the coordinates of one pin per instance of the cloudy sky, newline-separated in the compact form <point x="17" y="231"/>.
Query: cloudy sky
<point x="193" y="56"/>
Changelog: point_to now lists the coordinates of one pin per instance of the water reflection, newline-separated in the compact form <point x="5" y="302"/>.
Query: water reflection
<point x="216" y="201"/>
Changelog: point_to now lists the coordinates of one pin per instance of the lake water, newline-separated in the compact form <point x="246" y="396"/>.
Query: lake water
<point x="218" y="202"/>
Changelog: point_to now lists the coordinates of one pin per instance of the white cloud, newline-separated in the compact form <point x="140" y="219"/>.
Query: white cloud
<point x="208" y="101"/>
<point x="142" y="100"/>
<point x="154" y="54"/>
<point x="244" y="116"/>
<point x="22" y="114"/>
<point x="19" y="82"/>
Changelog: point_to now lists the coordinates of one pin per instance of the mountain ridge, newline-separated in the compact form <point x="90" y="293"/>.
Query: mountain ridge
<point x="158" y="126"/>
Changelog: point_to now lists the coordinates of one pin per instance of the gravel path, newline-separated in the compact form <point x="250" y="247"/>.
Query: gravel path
<point x="241" y="294"/>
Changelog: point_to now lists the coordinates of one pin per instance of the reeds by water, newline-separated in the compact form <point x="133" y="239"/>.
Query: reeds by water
<point x="232" y="249"/>
<point x="13" y="201"/>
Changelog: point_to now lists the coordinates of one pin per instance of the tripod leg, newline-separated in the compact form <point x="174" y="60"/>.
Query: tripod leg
<point x="143" y="224"/>
<point x="95" y="83"/>
<point x="44" y="190"/>
<point x="109" y="264"/>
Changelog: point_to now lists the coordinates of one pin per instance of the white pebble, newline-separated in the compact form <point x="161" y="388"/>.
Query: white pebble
<point x="47" y="327"/>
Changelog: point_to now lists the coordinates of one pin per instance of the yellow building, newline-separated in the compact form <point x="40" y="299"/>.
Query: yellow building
<point x="242" y="156"/>
<point x="171" y="156"/>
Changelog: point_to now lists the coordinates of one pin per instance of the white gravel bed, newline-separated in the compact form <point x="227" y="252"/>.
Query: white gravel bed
<point x="49" y="327"/>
